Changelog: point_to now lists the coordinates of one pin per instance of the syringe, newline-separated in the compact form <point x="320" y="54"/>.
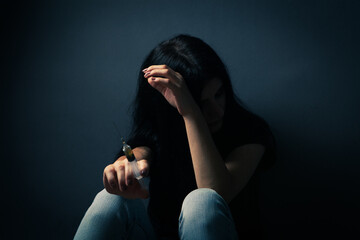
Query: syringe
<point x="133" y="163"/>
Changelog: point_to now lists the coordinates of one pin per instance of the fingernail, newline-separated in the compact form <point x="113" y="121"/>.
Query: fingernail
<point x="144" y="70"/>
<point x="147" y="74"/>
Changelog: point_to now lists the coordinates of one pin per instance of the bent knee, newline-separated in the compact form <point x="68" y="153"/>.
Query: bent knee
<point x="105" y="196"/>
<point x="204" y="201"/>
<point x="202" y="197"/>
<point x="106" y="203"/>
<point x="204" y="209"/>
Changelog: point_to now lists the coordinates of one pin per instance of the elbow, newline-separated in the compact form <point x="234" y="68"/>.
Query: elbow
<point x="223" y="190"/>
<point x="224" y="194"/>
<point x="227" y="190"/>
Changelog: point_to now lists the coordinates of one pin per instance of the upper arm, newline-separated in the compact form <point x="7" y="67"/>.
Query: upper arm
<point x="241" y="164"/>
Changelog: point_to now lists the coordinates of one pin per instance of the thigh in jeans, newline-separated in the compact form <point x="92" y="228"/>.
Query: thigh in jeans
<point x="114" y="217"/>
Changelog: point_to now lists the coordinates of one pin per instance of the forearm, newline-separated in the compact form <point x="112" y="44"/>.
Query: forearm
<point x="209" y="167"/>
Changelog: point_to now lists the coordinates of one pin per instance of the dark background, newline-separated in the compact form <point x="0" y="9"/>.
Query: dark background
<point x="70" y="70"/>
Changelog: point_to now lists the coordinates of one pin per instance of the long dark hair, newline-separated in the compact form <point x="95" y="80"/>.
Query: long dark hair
<point x="158" y="125"/>
<point x="195" y="61"/>
<point x="198" y="63"/>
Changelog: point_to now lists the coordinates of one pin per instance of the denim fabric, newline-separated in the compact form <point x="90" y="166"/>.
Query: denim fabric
<point x="113" y="217"/>
<point x="204" y="215"/>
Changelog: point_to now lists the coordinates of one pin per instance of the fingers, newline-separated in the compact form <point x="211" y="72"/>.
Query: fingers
<point x="129" y="176"/>
<point x="155" y="67"/>
<point x="159" y="72"/>
<point x="110" y="179"/>
<point x="120" y="172"/>
<point x="118" y="178"/>
<point x="158" y="80"/>
<point x="106" y="184"/>
<point x="160" y="76"/>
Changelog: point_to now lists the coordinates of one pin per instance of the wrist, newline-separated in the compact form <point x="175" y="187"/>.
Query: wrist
<point x="193" y="112"/>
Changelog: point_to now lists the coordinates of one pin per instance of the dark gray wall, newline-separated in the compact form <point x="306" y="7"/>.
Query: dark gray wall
<point x="71" y="69"/>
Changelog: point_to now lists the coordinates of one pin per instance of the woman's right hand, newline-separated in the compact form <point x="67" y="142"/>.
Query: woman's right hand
<point x="118" y="179"/>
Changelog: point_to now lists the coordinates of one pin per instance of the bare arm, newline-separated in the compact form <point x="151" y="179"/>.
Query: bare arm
<point x="211" y="171"/>
<point x="226" y="178"/>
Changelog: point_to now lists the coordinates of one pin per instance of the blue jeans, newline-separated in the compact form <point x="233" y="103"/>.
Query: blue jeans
<point x="204" y="215"/>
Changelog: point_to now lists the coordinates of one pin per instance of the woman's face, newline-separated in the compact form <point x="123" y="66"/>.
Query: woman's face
<point x="213" y="104"/>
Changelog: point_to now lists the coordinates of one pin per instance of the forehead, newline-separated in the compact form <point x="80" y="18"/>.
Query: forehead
<point x="211" y="87"/>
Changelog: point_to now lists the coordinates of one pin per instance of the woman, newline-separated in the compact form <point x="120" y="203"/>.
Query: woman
<point x="201" y="148"/>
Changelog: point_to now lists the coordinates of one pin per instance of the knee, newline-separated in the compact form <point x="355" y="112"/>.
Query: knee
<point x="105" y="204"/>
<point x="206" y="214"/>
<point x="102" y="217"/>
<point x="201" y="197"/>
<point x="203" y="202"/>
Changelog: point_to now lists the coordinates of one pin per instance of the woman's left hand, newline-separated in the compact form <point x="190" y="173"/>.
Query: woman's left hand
<point x="172" y="86"/>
